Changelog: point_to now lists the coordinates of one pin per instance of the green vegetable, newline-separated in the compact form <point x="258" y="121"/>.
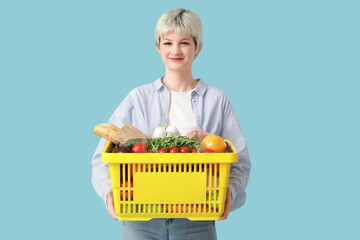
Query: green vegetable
<point x="131" y="142"/>
<point x="168" y="142"/>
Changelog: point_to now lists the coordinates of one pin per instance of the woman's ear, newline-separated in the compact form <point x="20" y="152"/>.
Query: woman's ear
<point x="157" y="48"/>
<point x="198" y="51"/>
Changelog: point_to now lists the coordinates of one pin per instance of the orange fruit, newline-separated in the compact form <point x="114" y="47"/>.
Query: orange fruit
<point x="215" y="143"/>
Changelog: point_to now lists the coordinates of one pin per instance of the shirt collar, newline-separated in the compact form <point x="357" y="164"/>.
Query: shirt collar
<point x="200" y="88"/>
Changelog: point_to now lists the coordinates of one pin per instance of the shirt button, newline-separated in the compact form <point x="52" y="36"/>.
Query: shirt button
<point x="193" y="99"/>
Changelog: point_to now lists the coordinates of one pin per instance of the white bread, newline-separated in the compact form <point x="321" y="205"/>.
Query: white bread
<point x="107" y="131"/>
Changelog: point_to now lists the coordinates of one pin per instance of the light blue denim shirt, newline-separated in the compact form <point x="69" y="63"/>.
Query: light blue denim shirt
<point x="147" y="106"/>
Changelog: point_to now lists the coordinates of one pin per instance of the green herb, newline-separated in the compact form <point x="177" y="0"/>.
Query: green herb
<point x="168" y="142"/>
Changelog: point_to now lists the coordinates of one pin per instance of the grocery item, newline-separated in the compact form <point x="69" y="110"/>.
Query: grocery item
<point x="165" y="131"/>
<point x="174" y="150"/>
<point x="185" y="150"/>
<point x="197" y="133"/>
<point x="168" y="142"/>
<point x="131" y="142"/>
<point x="122" y="150"/>
<point x="107" y="131"/>
<point x="140" y="147"/>
<point x="215" y="143"/>
<point x="172" y="131"/>
<point x="117" y="135"/>
<point x="208" y="151"/>
<point x="163" y="150"/>
<point x="159" y="132"/>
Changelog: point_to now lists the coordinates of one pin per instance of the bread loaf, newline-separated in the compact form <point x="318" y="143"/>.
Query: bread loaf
<point x="107" y="131"/>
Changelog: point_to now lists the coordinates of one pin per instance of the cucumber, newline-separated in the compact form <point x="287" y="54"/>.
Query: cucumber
<point x="131" y="142"/>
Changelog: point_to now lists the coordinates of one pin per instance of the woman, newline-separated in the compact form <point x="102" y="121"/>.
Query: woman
<point x="180" y="100"/>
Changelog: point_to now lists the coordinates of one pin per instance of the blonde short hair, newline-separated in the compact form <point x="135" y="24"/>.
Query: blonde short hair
<point x="180" y="21"/>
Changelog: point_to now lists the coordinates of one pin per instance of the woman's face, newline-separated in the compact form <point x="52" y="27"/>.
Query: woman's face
<point x="177" y="51"/>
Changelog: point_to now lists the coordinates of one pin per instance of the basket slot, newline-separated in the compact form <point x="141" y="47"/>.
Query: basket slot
<point x="211" y="176"/>
<point x="122" y="173"/>
<point x="128" y="175"/>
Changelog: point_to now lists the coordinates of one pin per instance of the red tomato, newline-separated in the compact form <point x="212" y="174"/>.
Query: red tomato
<point x="194" y="150"/>
<point x="185" y="150"/>
<point x="174" y="150"/>
<point x="163" y="150"/>
<point x="208" y="151"/>
<point x="140" y="147"/>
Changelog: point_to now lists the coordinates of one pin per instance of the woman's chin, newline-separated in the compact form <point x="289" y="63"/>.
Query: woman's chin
<point x="179" y="68"/>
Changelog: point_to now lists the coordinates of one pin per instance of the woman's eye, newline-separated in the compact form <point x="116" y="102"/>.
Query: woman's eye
<point x="186" y="43"/>
<point x="167" y="43"/>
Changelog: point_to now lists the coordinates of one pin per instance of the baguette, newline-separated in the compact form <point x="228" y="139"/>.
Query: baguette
<point x="107" y="131"/>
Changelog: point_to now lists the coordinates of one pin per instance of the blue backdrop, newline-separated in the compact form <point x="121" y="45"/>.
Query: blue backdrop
<point x="290" y="68"/>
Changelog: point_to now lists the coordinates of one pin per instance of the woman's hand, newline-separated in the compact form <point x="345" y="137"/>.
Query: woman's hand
<point x="110" y="205"/>
<point x="228" y="204"/>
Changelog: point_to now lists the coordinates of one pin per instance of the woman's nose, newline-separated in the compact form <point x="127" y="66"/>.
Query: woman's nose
<point x="175" y="50"/>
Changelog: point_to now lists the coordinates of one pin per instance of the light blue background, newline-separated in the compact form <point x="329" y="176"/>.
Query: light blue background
<point x="290" y="68"/>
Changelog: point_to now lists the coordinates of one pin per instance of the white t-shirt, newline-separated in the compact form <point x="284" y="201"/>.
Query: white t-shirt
<point x="180" y="114"/>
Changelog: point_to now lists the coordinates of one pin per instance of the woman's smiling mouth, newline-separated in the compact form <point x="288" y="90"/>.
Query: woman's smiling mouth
<point x="176" y="59"/>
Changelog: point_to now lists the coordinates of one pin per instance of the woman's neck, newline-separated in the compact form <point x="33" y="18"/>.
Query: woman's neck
<point x="179" y="82"/>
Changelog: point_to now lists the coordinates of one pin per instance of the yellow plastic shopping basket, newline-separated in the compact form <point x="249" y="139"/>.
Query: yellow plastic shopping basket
<point x="169" y="185"/>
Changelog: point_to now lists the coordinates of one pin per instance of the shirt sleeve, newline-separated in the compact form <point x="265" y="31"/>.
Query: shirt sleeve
<point x="100" y="170"/>
<point x="240" y="170"/>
